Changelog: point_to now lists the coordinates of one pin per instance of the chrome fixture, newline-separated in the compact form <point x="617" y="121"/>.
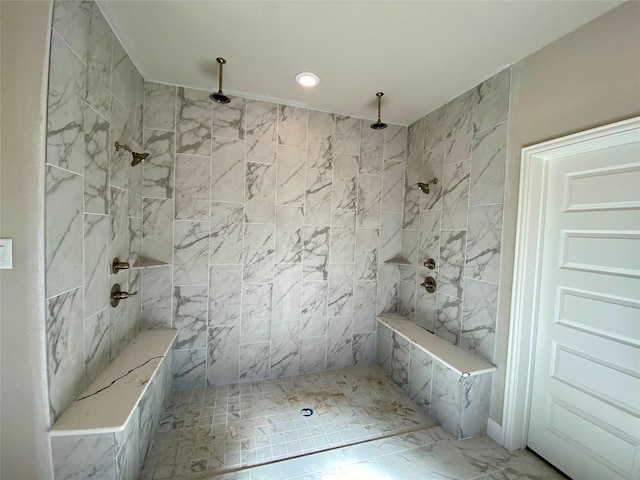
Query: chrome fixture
<point x="219" y="96"/>
<point x="379" y="125"/>
<point x="117" y="295"/>
<point x="430" y="264"/>
<point x="429" y="284"/>
<point x="425" y="186"/>
<point x="117" y="265"/>
<point x="137" y="157"/>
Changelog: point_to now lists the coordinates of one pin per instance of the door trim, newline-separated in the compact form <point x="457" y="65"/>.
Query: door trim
<point x="525" y="292"/>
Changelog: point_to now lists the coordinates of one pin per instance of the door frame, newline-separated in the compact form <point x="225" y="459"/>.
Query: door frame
<point x="527" y="265"/>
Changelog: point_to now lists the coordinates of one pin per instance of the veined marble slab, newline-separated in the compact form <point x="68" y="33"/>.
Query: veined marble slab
<point x="454" y="357"/>
<point x="110" y="410"/>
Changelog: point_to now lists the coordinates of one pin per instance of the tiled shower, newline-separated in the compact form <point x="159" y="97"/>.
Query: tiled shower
<point x="276" y="233"/>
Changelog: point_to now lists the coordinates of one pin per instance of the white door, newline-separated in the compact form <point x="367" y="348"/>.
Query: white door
<point x="585" y="402"/>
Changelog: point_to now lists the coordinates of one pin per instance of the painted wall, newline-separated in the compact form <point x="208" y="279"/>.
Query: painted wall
<point x="588" y="78"/>
<point x="93" y="199"/>
<point x="25" y="412"/>
<point x="271" y="217"/>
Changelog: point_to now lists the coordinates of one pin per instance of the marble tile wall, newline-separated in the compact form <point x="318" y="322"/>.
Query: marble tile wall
<point x="459" y="223"/>
<point x="272" y="217"/>
<point x="93" y="199"/>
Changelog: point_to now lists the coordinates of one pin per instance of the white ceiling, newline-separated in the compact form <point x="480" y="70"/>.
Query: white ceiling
<point x="420" y="54"/>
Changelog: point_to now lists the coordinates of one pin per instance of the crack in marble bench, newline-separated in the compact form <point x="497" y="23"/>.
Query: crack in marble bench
<point x="106" y="432"/>
<point x="452" y="385"/>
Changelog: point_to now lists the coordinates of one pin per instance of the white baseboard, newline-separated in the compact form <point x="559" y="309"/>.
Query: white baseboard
<point x="494" y="431"/>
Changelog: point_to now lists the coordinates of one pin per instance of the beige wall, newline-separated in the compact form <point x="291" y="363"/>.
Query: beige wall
<point x="25" y="53"/>
<point x="588" y="78"/>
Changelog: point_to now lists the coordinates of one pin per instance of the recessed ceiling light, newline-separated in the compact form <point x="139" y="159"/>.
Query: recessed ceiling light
<point x="307" y="79"/>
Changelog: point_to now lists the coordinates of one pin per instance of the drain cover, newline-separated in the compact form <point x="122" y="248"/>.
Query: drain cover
<point x="306" y="412"/>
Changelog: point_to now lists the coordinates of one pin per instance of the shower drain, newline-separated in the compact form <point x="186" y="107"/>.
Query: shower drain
<point x="306" y="412"/>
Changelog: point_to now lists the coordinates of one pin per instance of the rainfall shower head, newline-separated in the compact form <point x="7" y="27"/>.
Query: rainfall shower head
<point x="424" y="187"/>
<point x="219" y="96"/>
<point x="136" y="157"/>
<point x="379" y="125"/>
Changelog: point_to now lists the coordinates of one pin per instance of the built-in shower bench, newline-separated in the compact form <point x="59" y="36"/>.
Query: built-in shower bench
<point x="453" y="385"/>
<point x="106" y="432"/>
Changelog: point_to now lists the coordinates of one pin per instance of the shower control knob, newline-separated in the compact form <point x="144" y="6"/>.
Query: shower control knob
<point x="117" y="265"/>
<point x="429" y="284"/>
<point x="430" y="264"/>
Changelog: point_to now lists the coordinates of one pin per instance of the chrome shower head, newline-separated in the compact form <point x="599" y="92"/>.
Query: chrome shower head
<point x="219" y="96"/>
<point x="379" y="125"/>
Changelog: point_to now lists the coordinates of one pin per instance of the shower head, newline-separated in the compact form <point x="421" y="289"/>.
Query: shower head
<point x="137" y="157"/>
<point x="219" y="96"/>
<point x="424" y="187"/>
<point x="379" y="125"/>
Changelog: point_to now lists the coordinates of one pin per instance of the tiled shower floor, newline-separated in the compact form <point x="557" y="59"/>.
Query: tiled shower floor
<point x="225" y="428"/>
<point x="363" y="427"/>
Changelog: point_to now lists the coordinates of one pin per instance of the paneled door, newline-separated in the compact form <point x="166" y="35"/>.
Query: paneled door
<point x="585" y="402"/>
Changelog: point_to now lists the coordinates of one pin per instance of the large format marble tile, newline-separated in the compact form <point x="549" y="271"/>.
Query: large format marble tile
<point x="399" y="363"/>
<point x="407" y="299"/>
<point x="320" y="139"/>
<point x="65" y="358"/>
<point x="292" y="126"/>
<point x="285" y="349"/>
<point x="96" y="162"/>
<point x="192" y="177"/>
<point x="157" y="226"/>
<point x="119" y="161"/>
<point x="474" y="409"/>
<point x="71" y="22"/>
<point x="315" y="256"/>
<point x="419" y="379"/>
<point x="190" y="316"/>
<point x="393" y="185"/>
<point x="96" y="345"/>
<point x="119" y="218"/>
<point x="96" y="263"/>
<point x="371" y="151"/>
<point x="435" y="129"/>
<point x="135" y="240"/>
<point x="65" y="113"/>
<point x="366" y="254"/>
<point x="415" y="146"/>
<point x="128" y="461"/>
<point x="289" y="225"/>
<point x="229" y="118"/>
<point x="484" y="243"/>
<point x="314" y="309"/>
<point x="412" y="199"/>
<point x="255" y="321"/>
<point x="317" y="206"/>
<point x="121" y="323"/>
<point x="260" y="193"/>
<point x="159" y="106"/>
<point x="136" y="112"/>
<point x="388" y="289"/>
<point x="340" y="295"/>
<point x="136" y="181"/>
<point x="99" y="63"/>
<point x="369" y="198"/>
<point x="261" y="134"/>
<point x="446" y="398"/>
<point x="429" y="246"/>
<point x="227" y="170"/>
<point x="64" y="230"/>
<point x="258" y="255"/>
<point x="253" y="361"/>
<point x="225" y="244"/>
<point x="364" y="349"/>
<point x="291" y="175"/>
<point x="223" y="357"/>
<point x="410" y="246"/>
<point x="488" y="166"/>
<point x="395" y="143"/>
<point x="339" y="347"/>
<point x="458" y="129"/>
<point x="347" y="135"/>
<point x="287" y="293"/>
<point x="190" y="253"/>
<point x="225" y="293"/>
<point x="449" y="319"/>
<point x="78" y="457"/>
<point x="479" y="318"/>
<point x="313" y="354"/>
<point x="158" y="169"/>
<point x="451" y="264"/>
<point x="432" y="168"/>
<point x="426" y="303"/>
<point x="343" y="236"/>
<point x="455" y="196"/>
<point x="193" y="122"/>
<point x="492" y="101"/>
<point x="345" y="181"/>
<point x="364" y="307"/>
<point x="121" y="73"/>
<point x="189" y="369"/>
<point x="156" y="298"/>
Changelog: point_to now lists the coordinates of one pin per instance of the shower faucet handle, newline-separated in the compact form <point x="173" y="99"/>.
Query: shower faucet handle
<point x="117" y="265"/>
<point x="117" y="295"/>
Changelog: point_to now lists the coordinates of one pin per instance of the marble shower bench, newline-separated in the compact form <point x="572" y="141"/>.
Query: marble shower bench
<point x="105" y="433"/>
<point x="453" y="385"/>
